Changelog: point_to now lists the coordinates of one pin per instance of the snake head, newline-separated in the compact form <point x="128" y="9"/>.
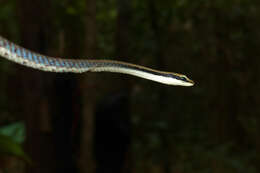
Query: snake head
<point x="179" y="79"/>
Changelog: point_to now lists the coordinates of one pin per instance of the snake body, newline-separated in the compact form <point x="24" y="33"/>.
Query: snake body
<point x="20" y="55"/>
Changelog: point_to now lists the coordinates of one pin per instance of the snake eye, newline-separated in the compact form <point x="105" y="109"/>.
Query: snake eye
<point x="183" y="78"/>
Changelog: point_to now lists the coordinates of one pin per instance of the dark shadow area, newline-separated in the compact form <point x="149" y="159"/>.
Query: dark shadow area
<point x="64" y="119"/>
<point x="112" y="133"/>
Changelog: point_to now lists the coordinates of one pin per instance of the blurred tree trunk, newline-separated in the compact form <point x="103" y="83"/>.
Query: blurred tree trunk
<point x="123" y="39"/>
<point x="68" y="97"/>
<point x="156" y="29"/>
<point x="34" y="23"/>
<point x="123" y="53"/>
<point x="89" y="93"/>
<point x="159" y="45"/>
<point x="66" y="102"/>
<point x="160" y="62"/>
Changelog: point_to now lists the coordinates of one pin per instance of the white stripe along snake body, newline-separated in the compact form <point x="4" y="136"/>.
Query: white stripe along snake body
<point x="31" y="59"/>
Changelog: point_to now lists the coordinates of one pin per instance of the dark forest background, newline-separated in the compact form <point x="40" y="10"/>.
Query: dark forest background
<point x="104" y="122"/>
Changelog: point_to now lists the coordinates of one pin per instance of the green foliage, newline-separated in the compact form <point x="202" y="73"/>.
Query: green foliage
<point x="9" y="147"/>
<point x="16" y="131"/>
<point x="11" y="139"/>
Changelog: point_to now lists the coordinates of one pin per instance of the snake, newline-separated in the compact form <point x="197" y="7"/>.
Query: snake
<point x="26" y="57"/>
